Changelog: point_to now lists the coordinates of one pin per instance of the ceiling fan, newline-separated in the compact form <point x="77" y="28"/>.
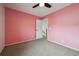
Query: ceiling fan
<point x="42" y="5"/>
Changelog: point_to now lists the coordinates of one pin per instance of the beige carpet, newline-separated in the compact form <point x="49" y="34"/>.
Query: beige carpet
<point x="40" y="47"/>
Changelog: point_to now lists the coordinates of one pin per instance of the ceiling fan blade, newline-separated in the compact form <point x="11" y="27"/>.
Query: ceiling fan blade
<point x="47" y="5"/>
<point x="36" y="5"/>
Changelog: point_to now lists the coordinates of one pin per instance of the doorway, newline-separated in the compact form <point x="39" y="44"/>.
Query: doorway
<point x="41" y="28"/>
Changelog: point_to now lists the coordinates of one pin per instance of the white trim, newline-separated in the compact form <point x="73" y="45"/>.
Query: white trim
<point x="2" y="26"/>
<point x="65" y="45"/>
<point x="19" y="42"/>
<point x="47" y="40"/>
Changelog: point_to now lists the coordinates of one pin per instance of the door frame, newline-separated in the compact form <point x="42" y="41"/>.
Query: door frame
<point x="41" y="20"/>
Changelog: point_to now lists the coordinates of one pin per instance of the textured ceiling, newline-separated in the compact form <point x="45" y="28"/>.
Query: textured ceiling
<point x="39" y="11"/>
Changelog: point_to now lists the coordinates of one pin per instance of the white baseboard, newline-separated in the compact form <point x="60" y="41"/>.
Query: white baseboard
<point x="64" y="45"/>
<point x="48" y="40"/>
<point x="19" y="42"/>
<point x="2" y="49"/>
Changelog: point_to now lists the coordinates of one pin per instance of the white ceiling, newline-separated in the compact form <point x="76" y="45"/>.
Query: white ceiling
<point x="39" y="11"/>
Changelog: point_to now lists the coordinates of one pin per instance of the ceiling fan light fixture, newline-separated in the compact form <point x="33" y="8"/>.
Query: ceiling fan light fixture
<point x="41" y="4"/>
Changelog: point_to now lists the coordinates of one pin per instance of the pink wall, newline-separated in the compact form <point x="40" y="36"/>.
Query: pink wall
<point x="19" y="26"/>
<point x="64" y="26"/>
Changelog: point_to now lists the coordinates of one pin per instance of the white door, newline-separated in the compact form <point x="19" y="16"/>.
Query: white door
<point x="39" y="29"/>
<point x="2" y="27"/>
